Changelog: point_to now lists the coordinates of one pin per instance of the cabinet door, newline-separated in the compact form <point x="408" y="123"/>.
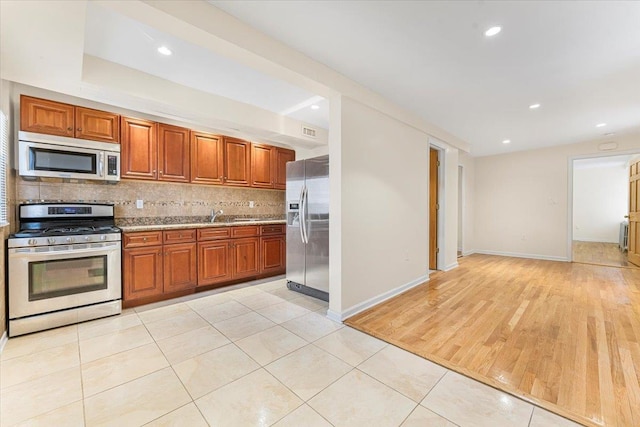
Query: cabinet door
<point x="245" y="257"/>
<point x="280" y="175"/>
<point x="42" y="116"/>
<point x="207" y="158"/>
<point x="237" y="162"/>
<point x="180" y="270"/>
<point x="173" y="153"/>
<point x="142" y="272"/>
<point x="97" y="125"/>
<point x="139" y="151"/>
<point x="262" y="165"/>
<point x="272" y="255"/>
<point x="214" y="262"/>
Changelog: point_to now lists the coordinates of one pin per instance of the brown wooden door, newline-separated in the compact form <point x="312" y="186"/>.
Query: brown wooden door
<point x="245" y="257"/>
<point x="263" y="159"/>
<point x="214" y="262"/>
<point x="634" y="214"/>
<point x="207" y="158"/>
<point x="142" y="272"/>
<point x="180" y="267"/>
<point x="237" y="162"/>
<point x="42" y="116"/>
<point x="433" y="208"/>
<point x="282" y="157"/>
<point x="272" y="255"/>
<point x="139" y="151"/>
<point x="97" y="125"/>
<point x="173" y="153"/>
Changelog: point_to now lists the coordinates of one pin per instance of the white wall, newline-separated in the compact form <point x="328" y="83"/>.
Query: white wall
<point x="600" y="202"/>
<point x="521" y="199"/>
<point x="468" y="203"/>
<point x="384" y="205"/>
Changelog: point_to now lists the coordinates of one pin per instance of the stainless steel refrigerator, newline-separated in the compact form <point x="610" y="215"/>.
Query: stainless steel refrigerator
<point x="308" y="226"/>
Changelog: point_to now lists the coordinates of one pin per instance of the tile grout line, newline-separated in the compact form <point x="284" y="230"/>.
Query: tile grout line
<point x="429" y="392"/>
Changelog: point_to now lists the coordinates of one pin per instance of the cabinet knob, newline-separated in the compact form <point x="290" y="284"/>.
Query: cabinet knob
<point x="144" y="239"/>
<point x="69" y="129"/>
<point x="225" y="177"/>
<point x="79" y="129"/>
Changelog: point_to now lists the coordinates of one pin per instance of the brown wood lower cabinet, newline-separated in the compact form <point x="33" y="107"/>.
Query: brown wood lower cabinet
<point x="142" y="273"/>
<point x="214" y="262"/>
<point x="197" y="259"/>
<point x="273" y="258"/>
<point x="180" y="267"/>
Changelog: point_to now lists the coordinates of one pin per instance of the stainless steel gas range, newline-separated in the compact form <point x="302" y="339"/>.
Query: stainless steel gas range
<point x="63" y="266"/>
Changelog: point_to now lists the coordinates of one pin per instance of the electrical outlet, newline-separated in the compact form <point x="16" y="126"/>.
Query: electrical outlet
<point x="251" y="204"/>
<point x="139" y="204"/>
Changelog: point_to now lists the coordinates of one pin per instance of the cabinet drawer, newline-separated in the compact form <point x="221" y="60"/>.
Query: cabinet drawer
<point x="247" y="231"/>
<point x="143" y="238"/>
<point x="179" y="236"/>
<point x="213" y="233"/>
<point x="271" y="229"/>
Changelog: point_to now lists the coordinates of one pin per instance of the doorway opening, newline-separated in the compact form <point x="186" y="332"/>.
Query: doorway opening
<point x="600" y="208"/>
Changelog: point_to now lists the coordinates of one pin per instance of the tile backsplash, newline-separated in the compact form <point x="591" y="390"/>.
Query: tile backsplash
<point x="160" y="199"/>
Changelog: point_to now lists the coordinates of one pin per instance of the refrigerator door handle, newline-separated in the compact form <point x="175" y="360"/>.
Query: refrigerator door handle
<point x="305" y="211"/>
<point x="301" y="214"/>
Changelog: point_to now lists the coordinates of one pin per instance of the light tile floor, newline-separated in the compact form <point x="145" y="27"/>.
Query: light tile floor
<point x="255" y="356"/>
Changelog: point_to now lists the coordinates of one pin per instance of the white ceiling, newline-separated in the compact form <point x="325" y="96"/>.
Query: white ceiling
<point x="117" y="38"/>
<point x="580" y="60"/>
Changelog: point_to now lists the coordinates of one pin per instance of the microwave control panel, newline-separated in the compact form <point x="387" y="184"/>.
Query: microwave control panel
<point x="112" y="165"/>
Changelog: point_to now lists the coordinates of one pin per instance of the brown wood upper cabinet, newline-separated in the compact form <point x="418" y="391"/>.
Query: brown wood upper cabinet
<point x="173" y="153"/>
<point x="207" y="158"/>
<point x="269" y="166"/>
<point x="139" y="155"/>
<point x="237" y="162"/>
<point x="57" y="118"/>
<point x="282" y="157"/>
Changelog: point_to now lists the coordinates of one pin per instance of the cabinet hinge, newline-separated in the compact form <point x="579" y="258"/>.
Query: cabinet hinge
<point x="438" y="162"/>
<point x="437" y="206"/>
<point x="437" y="250"/>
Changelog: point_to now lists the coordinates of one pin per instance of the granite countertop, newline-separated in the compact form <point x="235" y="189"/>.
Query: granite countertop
<point x="153" y="227"/>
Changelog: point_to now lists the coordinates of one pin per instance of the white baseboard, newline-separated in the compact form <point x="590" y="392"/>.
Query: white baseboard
<point x="335" y="316"/>
<point x="575" y="239"/>
<point x="339" y="317"/>
<point x="451" y="266"/>
<point x="469" y="252"/>
<point x="520" y="255"/>
<point x="3" y="341"/>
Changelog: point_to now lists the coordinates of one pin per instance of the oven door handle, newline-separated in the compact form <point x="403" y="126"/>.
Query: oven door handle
<point x="53" y="254"/>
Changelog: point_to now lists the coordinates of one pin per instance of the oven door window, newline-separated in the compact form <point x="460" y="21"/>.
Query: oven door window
<point x="63" y="161"/>
<point x="56" y="278"/>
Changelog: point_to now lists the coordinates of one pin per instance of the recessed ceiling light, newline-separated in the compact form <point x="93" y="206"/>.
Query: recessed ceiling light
<point x="315" y="107"/>
<point x="534" y="106"/>
<point x="492" y="31"/>
<point x="506" y="141"/>
<point x="601" y="125"/>
<point x="164" y="50"/>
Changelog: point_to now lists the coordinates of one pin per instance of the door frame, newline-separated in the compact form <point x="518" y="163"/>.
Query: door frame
<point x="570" y="162"/>
<point x="440" y="258"/>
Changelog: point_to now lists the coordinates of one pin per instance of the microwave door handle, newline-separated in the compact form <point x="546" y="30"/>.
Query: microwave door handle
<point x="101" y="165"/>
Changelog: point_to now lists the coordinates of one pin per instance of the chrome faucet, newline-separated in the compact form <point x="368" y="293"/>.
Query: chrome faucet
<point x="214" y="214"/>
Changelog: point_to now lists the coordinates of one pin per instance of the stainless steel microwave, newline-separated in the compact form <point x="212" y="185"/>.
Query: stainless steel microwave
<point x="61" y="157"/>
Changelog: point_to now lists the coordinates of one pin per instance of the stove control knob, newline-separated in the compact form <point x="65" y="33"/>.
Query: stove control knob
<point x="32" y="241"/>
<point x="51" y="240"/>
<point x="70" y="240"/>
<point x="103" y="237"/>
<point x="87" y="238"/>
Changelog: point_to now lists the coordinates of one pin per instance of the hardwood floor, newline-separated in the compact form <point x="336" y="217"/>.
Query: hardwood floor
<point x="565" y="336"/>
<point x="600" y="253"/>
